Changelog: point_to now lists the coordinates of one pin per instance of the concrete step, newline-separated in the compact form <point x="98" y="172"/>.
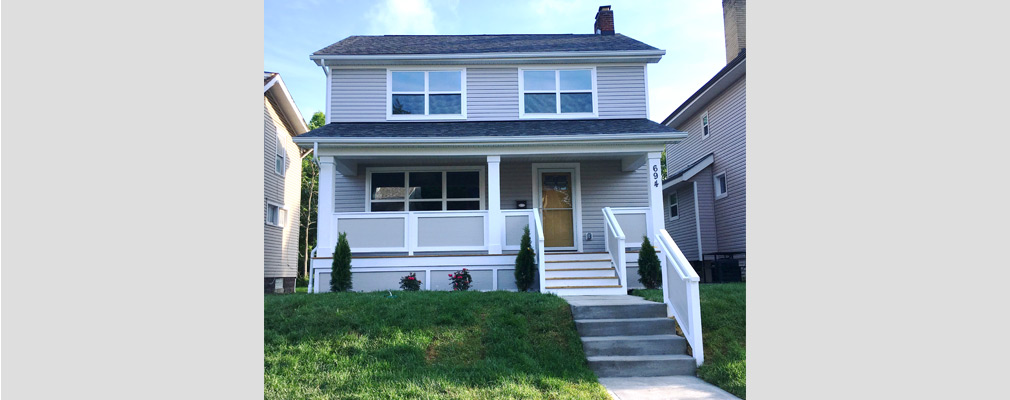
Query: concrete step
<point x="607" y="290"/>
<point x="582" y="281"/>
<point x="573" y="272"/>
<point x="576" y="256"/>
<point x="647" y="310"/>
<point x="634" y="345"/>
<point x="624" y="326"/>
<point x="655" y="365"/>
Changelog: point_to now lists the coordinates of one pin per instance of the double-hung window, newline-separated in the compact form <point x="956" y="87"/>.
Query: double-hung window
<point x="427" y="94"/>
<point x="553" y="93"/>
<point x="704" y="125"/>
<point x="280" y="159"/>
<point x="276" y="214"/>
<point x="720" y="185"/>
<point x="674" y="209"/>
<point x="426" y="189"/>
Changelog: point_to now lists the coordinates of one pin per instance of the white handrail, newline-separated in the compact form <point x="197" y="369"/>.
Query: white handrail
<point x="680" y="293"/>
<point x="615" y="242"/>
<point x="539" y="230"/>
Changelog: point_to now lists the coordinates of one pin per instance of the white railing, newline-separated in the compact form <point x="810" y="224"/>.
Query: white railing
<point x="634" y="222"/>
<point x="512" y="227"/>
<point x="615" y="243"/>
<point x="413" y="231"/>
<point x="537" y="239"/>
<point x="680" y="292"/>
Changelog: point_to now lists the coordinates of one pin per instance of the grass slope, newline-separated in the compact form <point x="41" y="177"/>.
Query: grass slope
<point x="724" y="331"/>
<point x="427" y="345"/>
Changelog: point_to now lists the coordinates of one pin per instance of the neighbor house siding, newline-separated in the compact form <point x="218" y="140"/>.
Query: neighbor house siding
<point x="280" y="244"/>
<point x="492" y="94"/>
<point x="727" y="140"/>
<point x="682" y="229"/>
<point x="621" y="91"/>
<point x="358" y="95"/>
<point x="706" y="211"/>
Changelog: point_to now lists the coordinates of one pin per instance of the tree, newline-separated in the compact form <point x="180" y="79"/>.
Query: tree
<point x="340" y="275"/>
<point x="310" y="189"/>
<point x="662" y="163"/>
<point x="525" y="267"/>
<point x="649" y="273"/>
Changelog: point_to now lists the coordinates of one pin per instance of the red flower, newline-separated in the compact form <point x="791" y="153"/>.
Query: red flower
<point x="464" y="269"/>
<point x="410" y="277"/>
<point x="450" y="275"/>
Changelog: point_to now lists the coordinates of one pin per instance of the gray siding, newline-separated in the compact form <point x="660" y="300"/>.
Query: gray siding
<point x="492" y="94"/>
<point x="516" y="184"/>
<point x="706" y="211"/>
<point x="621" y="92"/>
<point x="358" y="95"/>
<point x="605" y="185"/>
<point x="280" y="244"/>
<point x="727" y="140"/>
<point x="349" y="192"/>
<point x="682" y="229"/>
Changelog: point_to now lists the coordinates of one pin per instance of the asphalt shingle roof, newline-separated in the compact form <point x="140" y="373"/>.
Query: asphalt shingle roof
<point x="685" y="169"/>
<point x="465" y="44"/>
<point x="486" y="128"/>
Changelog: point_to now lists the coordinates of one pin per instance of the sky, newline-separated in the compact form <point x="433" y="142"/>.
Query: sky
<point x="691" y="32"/>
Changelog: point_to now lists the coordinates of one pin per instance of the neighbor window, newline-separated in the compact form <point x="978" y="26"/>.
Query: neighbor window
<point x="426" y="93"/>
<point x="720" y="185"/>
<point x="554" y="92"/>
<point x="674" y="210"/>
<point x="426" y="190"/>
<point x="276" y="215"/>
<point x="704" y="125"/>
<point x="280" y="161"/>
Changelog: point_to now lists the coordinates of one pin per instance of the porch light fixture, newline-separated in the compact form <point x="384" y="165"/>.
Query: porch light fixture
<point x="522" y="204"/>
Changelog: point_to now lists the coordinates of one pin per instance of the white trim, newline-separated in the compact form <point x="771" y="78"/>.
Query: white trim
<point x="415" y="117"/>
<point x="480" y="169"/>
<point x="289" y="107"/>
<point x="557" y="91"/>
<point x="691" y="172"/>
<point x="715" y="182"/>
<point x="670" y="204"/>
<point x="705" y="122"/>
<point x="576" y="191"/>
<point x="463" y="141"/>
<point x="697" y="217"/>
<point x="281" y="221"/>
<point x="329" y="93"/>
<point x="646" y="70"/>
<point x="498" y="56"/>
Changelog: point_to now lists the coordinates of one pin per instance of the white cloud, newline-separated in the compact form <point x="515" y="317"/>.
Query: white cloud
<point x="403" y="17"/>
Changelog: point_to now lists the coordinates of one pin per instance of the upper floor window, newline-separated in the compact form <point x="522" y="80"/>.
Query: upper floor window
<point x="426" y="94"/>
<point x="704" y="125"/>
<point x="552" y="93"/>
<point x="280" y="160"/>
<point x="674" y="209"/>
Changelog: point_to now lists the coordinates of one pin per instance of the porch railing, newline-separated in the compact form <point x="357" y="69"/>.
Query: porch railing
<point x="680" y="292"/>
<point x="634" y="222"/>
<point x="414" y="231"/>
<point x="537" y="240"/>
<point x="616" y="246"/>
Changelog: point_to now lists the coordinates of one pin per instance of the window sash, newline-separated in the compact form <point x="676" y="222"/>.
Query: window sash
<point x="444" y="200"/>
<point x="281" y="159"/>
<point x="426" y="93"/>
<point x="558" y="92"/>
<point x="721" y="185"/>
<point x="674" y="206"/>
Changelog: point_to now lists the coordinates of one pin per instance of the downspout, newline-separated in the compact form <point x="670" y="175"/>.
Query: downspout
<point x="312" y="254"/>
<point x="697" y="218"/>
<point x="312" y="273"/>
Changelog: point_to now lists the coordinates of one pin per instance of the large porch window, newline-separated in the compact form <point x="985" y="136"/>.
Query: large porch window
<point x="425" y="189"/>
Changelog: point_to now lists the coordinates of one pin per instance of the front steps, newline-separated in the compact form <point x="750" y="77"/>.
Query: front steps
<point x="572" y="274"/>
<point x="629" y="336"/>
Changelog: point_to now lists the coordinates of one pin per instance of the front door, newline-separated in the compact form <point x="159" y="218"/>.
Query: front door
<point x="557" y="202"/>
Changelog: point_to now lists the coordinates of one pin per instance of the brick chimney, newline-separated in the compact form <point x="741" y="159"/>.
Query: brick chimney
<point x="604" y="21"/>
<point x="734" y="18"/>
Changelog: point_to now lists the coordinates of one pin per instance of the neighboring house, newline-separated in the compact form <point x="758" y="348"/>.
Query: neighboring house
<point x="705" y="192"/>
<point x="282" y="176"/>
<point x="439" y="150"/>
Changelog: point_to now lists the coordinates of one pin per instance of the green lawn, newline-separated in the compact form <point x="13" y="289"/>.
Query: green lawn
<point x="445" y="345"/>
<point x="724" y="332"/>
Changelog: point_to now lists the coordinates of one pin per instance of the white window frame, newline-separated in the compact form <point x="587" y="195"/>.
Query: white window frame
<point x="481" y="173"/>
<point x="715" y="182"/>
<point x="706" y="122"/>
<point x="426" y="92"/>
<point x="671" y="201"/>
<point x="283" y="153"/>
<point x="557" y="90"/>
<point x="281" y="219"/>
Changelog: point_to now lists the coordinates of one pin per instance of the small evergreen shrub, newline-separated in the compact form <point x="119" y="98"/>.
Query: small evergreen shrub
<point x="525" y="267"/>
<point x="460" y="280"/>
<point x="410" y="283"/>
<point x="649" y="267"/>
<point x="340" y="276"/>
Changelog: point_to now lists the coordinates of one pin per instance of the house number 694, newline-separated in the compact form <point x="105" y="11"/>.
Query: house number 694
<point x="655" y="175"/>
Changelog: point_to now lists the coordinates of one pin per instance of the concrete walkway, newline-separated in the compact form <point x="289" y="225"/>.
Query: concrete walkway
<point x="664" y="388"/>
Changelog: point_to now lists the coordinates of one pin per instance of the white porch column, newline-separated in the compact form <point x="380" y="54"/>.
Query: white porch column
<point x="495" y="221"/>
<point x="326" y="241"/>
<point x="655" y="221"/>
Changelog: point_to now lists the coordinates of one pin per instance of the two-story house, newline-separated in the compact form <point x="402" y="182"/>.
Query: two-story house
<point x="439" y="150"/>
<point x="706" y="189"/>
<point x="282" y="177"/>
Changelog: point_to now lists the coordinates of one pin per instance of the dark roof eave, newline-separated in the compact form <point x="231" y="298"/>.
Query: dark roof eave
<point x="711" y="82"/>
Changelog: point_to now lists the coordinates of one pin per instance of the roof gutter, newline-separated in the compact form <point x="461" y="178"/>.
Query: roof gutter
<point x="320" y="59"/>
<point x="465" y="141"/>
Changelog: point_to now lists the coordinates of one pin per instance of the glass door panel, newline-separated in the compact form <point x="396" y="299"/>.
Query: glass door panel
<point x="558" y="209"/>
